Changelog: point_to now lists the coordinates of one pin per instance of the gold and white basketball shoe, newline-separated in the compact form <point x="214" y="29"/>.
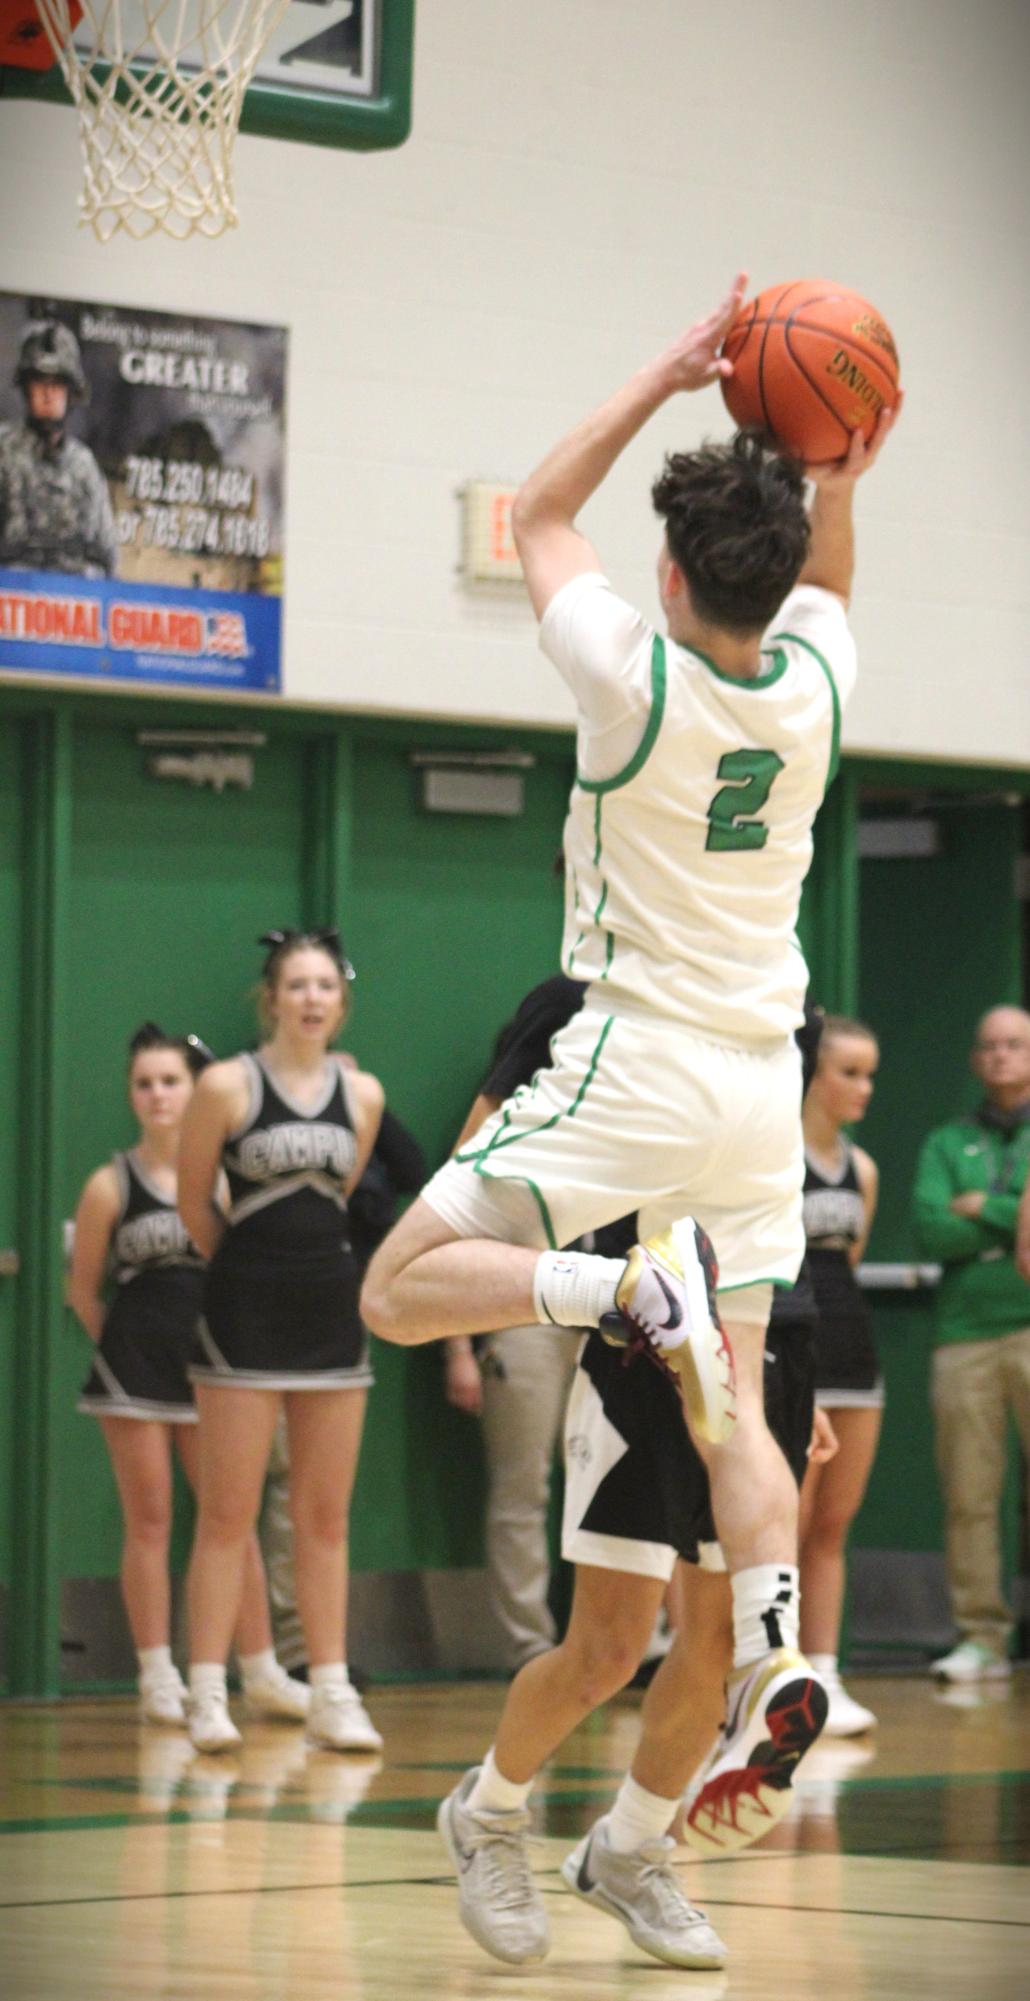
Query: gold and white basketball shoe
<point x="665" y="1308"/>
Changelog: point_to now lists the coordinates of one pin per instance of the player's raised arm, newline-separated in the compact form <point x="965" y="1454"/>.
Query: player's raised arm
<point x="551" y="548"/>
<point x="831" y="553"/>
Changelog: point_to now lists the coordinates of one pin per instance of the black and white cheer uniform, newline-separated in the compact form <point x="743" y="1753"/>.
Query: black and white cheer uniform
<point x="847" y="1370"/>
<point x="281" y="1292"/>
<point x="141" y="1360"/>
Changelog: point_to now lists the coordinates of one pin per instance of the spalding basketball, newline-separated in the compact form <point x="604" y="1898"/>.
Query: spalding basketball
<point x="811" y="363"/>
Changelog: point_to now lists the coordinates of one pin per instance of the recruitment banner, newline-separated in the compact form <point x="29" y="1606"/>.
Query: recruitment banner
<point x="141" y="494"/>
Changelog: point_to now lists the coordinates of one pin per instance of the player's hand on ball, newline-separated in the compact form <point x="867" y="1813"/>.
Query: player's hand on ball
<point x="694" y="360"/>
<point x="861" y="457"/>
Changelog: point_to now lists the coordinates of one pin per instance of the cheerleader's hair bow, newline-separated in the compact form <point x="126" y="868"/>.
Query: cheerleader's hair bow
<point x="326" y="936"/>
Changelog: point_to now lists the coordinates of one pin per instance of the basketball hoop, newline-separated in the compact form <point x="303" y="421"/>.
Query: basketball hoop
<point x="159" y="87"/>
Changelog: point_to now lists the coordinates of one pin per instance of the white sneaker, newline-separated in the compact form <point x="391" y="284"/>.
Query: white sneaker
<point x="845" y="1717"/>
<point x="665" y="1305"/>
<point x="211" y="1727"/>
<point x="277" y="1696"/>
<point x="162" y="1698"/>
<point x="775" y="1711"/>
<point x="499" y="1902"/>
<point x="339" y="1721"/>
<point x="641" y="1891"/>
<point x="971" y="1661"/>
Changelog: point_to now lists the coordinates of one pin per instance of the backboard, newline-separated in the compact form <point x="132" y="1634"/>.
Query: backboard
<point x="334" y="73"/>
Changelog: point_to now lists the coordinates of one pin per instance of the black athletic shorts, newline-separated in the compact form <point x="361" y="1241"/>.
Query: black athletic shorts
<point x="636" y="1491"/>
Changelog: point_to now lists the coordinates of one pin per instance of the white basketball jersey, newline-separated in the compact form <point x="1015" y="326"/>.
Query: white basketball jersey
<point x="685" y="858"/>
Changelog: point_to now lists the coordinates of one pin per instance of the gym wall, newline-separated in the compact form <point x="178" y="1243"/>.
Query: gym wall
<point x="582" y="179"/>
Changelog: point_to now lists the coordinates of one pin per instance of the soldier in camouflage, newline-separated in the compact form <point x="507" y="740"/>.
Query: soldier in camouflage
<point x="55" y="511"/>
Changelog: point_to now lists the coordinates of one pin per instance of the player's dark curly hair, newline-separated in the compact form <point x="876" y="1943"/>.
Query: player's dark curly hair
<point x="736" y="523"/>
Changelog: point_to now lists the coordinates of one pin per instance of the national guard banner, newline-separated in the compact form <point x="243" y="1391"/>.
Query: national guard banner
<point x="141" y="494"/>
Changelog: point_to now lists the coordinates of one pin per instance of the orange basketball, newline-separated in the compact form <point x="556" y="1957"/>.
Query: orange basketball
<point x="811" y="363"/>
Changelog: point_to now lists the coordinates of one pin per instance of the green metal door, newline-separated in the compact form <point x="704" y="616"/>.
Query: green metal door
<point x="10" y="946"/>
<point x="170" y="885"/>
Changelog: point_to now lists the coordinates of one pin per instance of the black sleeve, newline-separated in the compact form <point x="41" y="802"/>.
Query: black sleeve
<point x="401" y="1155"/>
<point x="524" y="1046"/>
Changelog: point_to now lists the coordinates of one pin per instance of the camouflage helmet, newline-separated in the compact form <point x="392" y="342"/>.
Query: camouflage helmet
<point x="50" y="349"/>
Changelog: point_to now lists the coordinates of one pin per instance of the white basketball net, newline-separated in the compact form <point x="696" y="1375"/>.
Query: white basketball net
<point x="159" y="87"/>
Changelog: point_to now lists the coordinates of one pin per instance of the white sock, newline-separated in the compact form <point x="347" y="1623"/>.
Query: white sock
<point x="765" y="1611"/>
<point x="637" y="1816"/>
<point x="332" y="1674"/>
<point x="574" y="1288"/>
<point x="154" y="1660"/>
<point x="259" y="1667"/>
<point x="493" y="1793"/>
<point x="825" y="1666"/>
<point x="207" y="1678"/>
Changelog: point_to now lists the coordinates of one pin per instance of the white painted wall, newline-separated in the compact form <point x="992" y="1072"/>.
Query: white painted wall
<point x="583" y="177"/>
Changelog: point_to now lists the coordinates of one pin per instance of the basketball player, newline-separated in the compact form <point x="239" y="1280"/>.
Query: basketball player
<point x="637" y="1521"/>
<point x="702" y="761"/>
<point x="292" y="1128"/>
<point x="127" y="1233"/>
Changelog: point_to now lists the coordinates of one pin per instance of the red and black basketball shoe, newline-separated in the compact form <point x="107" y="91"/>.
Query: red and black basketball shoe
<point x="775" y="1711"/>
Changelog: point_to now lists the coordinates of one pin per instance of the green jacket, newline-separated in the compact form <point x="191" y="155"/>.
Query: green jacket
<point x="981" y="1294"/>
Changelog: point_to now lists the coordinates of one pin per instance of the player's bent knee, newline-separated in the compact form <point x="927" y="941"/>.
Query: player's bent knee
<point x="381" y="1309"/>
<point x="605" y="1663"/>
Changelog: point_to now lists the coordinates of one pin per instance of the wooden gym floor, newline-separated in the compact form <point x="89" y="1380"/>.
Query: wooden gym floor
<point x="129" y="1867"/>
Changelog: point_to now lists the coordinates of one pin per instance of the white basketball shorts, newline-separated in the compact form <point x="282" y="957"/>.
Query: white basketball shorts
<point x="638" y="1113"/>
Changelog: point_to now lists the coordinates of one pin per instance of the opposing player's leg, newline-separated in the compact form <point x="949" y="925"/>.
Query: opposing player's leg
<point x="484" y="1822"/>
<point x="623" y="1864"/>
<point x="684" y="1705"/>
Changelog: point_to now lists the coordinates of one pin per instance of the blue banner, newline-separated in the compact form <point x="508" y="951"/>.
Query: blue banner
<point x="100" y="627"/>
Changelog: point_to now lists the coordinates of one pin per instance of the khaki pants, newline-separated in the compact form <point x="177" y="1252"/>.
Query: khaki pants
<point x="277" y="1548"/>
<point x="526" y="1376"/>
<point x="975" y="1386"/>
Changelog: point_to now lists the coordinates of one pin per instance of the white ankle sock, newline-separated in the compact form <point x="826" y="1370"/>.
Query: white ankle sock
<point x="574" y="1288"/>
<point x="154" y="1660"/>
<point x="259" y="1667"/>
<point x="637" y="1816"/>
<point x="332" y="1674"/>
<point x="825" y="1666"/>
<point x="765" y="1611"/>
<point x="207" y="1678"/>
<point x="493" y="1793"/>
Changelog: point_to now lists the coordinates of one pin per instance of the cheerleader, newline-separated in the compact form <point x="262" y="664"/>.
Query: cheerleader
<point x="839" y="1205"/>
<point x="291" y="1128"/>
<point x="130" y="1245"/>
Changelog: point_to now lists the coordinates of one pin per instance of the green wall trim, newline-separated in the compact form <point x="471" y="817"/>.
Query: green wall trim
<point x="831" y="902"/>
<point x="35" y="1583"/>
<point x="328" y="824"/>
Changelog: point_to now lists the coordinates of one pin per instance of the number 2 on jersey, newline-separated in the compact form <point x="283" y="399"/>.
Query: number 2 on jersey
<point x="731" y="815"/>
